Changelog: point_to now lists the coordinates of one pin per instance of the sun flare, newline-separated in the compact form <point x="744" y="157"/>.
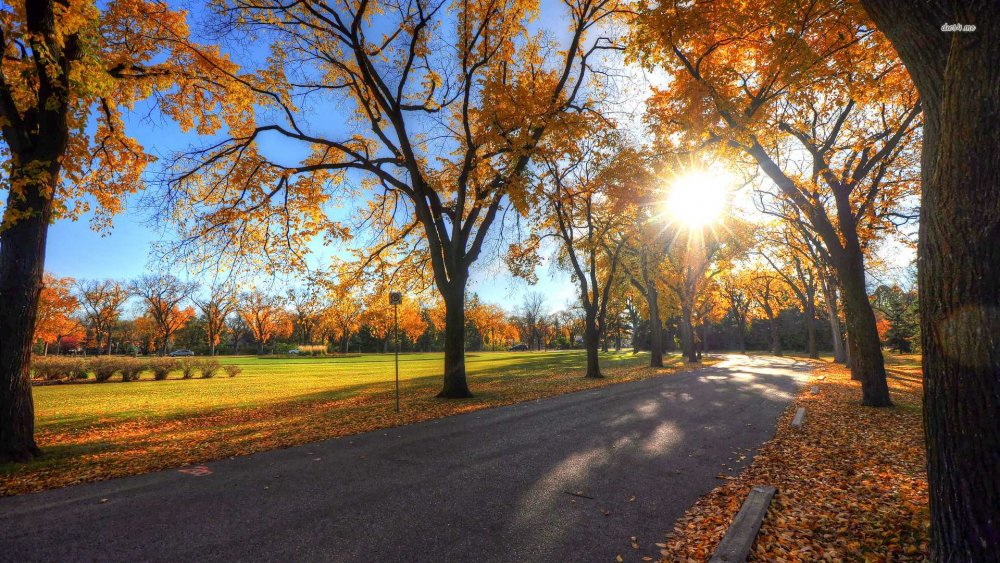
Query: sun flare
<point x="698" y="199"/>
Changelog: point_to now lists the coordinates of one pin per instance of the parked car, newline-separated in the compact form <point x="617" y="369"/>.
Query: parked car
<point x="180" y="352"/>
<point x="518" y="348"/>
<point x="295" y="351"/>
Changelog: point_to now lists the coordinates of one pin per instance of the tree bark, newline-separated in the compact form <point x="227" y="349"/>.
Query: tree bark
<point x="655" y="328"/>
<point x="865" y="347"/>
<point x="958" y="77"/>
<point x="455" y="384"/>
<point x="775" y="336"/>
<point x="811" y="324"/>
<point x="22" y="263"/>
<point x="591" y="341"/>
<point x="687" y="335"/>
<point x="833" y="313"/>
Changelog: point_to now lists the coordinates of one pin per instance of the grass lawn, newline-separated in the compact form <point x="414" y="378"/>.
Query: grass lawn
<point x="91" y="431"/>
<point x="852" y="484"/>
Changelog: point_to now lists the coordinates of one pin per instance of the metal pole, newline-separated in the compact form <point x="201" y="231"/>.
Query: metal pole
<point x="395" y="318"/>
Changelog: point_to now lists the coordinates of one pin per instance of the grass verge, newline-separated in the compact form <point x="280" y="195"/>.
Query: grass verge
<point x="851" y="481"/>
<point x="92" y="432"/>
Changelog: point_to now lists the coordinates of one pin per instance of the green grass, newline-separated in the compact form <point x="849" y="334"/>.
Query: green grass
<point x="91" y="431"/>
<point x="266" y="381"/>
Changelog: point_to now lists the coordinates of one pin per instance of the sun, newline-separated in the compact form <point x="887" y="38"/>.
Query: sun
<point x="698" y="199"/>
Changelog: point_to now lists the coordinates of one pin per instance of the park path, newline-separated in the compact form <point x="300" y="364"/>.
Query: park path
<point x="568" y="478"/>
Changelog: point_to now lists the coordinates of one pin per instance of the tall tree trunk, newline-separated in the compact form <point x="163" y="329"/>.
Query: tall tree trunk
<point x="811" y="324"/>
<point x="687" y="335"/>
<point x="22" y="263"/>
<point x="958" y="77"/>
<point x="833" y="313"/>
<point x="865" y="346"/>
<point x="772" y="322"/>
<point x="591" y="341"/>
<point x="455" y="384"/>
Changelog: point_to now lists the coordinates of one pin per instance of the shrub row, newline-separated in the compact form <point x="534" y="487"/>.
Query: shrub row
<point x="55" y="368"/>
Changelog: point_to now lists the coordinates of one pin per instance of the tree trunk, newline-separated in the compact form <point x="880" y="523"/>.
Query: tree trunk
<point x="455" y="384"/>
<point x="775" y="336"/>
<point x="687" y="335"/>
<point x="22" y="263"/>
<point x="655" y="328"/>
<point x="958" y="77"/>
<point x="591" y="341"/>
<point x="865" y="347"/>
<point x="830" y="296"/>
<point x="811" y="324"/>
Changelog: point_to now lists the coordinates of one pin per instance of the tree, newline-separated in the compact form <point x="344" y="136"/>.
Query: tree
<point x="380" y="317"/>
<point x="344" y="315"/>
<point x="898" y="309"/>
<point x="491" y="94"/>
<point x="102" y="302"/>
<point x="958" y="256"/>
<point x="736" y="292"/>
<point x="67" y="71"/>
<point x="263" y="315"/>
<point x="532" y="312"/>
<point x="56" y="306"/>
<point x="771" y="296"/>
<point x="643" y="258"/>
<point x="820" y="104"/>
<point x="307" y="308"/>
<point x="488" y="319"/>
<point x="708" y="309"/>
<point x="163" y="295"/>
<point x="215" y="309"/>
<point x="696" y="255"/>
<point x="781" y="249"/>
<point x="582" y="205"/>
<point x="237" y="327"/>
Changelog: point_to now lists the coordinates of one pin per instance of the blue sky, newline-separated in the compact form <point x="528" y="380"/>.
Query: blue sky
<point x="74" y="249"/>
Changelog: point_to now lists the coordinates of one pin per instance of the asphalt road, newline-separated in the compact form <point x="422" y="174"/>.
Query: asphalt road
<point x="567" y="478"/>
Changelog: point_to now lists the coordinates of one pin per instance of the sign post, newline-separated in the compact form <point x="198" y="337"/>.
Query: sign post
<point x="395" y="298"/>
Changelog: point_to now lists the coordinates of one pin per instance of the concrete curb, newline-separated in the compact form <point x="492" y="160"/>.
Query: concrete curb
<point x="739" y="538"/>
<point x="800" y="417"/>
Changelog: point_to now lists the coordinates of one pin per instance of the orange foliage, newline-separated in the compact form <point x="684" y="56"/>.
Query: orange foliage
<point x="114" y="54"/>
<point x="56" y="305"/>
